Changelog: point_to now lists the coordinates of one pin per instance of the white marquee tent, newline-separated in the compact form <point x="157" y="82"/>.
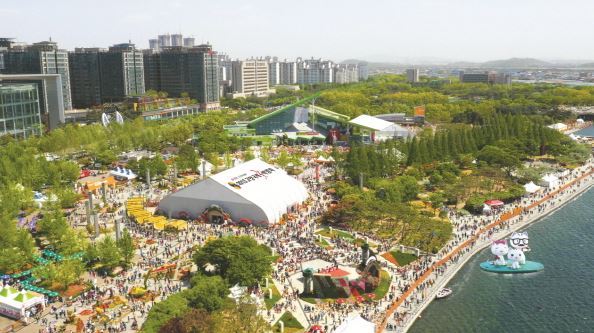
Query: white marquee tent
<point x="549" y="181"/>
<point x="123" y="173"/>
<point x="531" y="187"/>
<point x="356" y="324"/>
<point x="253" y="190"/>
<point x="383" y="129"/>
<point x="14" y="303"/>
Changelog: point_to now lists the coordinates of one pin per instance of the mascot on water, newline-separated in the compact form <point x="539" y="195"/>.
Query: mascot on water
<point x="499" y="249"/>
<point x="516" y="259"/>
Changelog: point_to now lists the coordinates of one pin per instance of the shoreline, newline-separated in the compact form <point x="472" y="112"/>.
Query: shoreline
<point x="480" y="242"/>
<point x="481" y="246"/>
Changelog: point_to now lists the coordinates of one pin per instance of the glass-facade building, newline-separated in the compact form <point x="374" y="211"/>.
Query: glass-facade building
<point x="122" y="72"/>
<point x="176" y="70"/>
<point x="84" y="77"/>
<point x="40" y="58"/>
<point x="20" y="115"/>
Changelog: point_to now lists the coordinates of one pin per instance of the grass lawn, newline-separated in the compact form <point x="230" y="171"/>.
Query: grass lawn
<point x="275" y="297"/>
<point x="292" y="325"/>
<point x="335" y="233"/>
<point x="403" y="258"/>
<point x="384" y="285"/>
<point x="323" y="243"/>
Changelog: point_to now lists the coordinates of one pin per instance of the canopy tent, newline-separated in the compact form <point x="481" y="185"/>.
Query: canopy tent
<point x="123" y="173"/>
<point x="531" y="187"/>
<point x="253" y="190"/>
<point x="558" y="126"/>
<point x="486" y="209"/>
<point x="14" y="304"/>
<point x="494" y="203"/>
<point x="549" y="181"/>
<point x="356" y="324"/>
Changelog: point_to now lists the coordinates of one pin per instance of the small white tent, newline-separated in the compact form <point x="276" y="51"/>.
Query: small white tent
<point x="356" y="324"/>
<point x="558" y="126"/>
<point x="531" y="187"/>
<point x="123" y="173"/>
<point x="549" y="181"/>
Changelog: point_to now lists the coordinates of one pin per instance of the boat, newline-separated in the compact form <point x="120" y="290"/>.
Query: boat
<point x="443" y="293"/>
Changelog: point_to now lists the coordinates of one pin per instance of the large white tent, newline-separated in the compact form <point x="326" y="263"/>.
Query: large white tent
<point x="356" y="324"/>
<point x="383" y="130"/>
<point x="253" y="190"/>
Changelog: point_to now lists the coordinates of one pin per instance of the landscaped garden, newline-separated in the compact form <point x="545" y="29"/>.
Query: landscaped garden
<point x="399" y="258"/>
<point x="276" y="296"/>
<point x="292" y="325"/>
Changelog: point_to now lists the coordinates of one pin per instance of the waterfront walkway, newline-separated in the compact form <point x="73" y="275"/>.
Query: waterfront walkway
<point x="528" y="213"/>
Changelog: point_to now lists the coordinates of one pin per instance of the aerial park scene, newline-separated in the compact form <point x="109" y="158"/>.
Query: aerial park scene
<point x="153" y="182"/>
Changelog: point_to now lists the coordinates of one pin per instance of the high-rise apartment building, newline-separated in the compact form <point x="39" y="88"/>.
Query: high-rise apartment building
<point x="122" y="72"/>
<point x="20" y="115"/>
<point x="412" y="75"/>
<point x="250" y="77"/>
<point x="40" y="58"/>
<point x="177" y="70"/>
<point x="154" y="45"/>
<point x="177" y="40"/>
<point x="363" y="71"/>
<point x="288" y="72"/>
<point x="85" y="79"/>
<point x="274" y="73"/>
<point x="164" y="40"/>
<point x="346" y="73"/>
<point x="189" y="41"/>
<point x="314" y="71"/>
<point x="152" y="70"/>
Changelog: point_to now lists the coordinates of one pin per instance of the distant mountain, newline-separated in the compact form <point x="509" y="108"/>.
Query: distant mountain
<point x="352" y="61"/>
<point x="588" y="65"/>
<point x="517" y="63"/>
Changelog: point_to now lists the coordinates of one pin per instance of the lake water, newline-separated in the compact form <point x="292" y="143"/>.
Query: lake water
<point x="558" y="299"/>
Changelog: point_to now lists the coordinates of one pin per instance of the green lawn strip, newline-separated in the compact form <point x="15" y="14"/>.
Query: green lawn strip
<point x="291" y="323"/>
<point x="276" y="296"/>
<point x="323" y="243"/>
<point x="403" y="258"/>
<point x="384" y="285"/>
<point x="335" y="233"/>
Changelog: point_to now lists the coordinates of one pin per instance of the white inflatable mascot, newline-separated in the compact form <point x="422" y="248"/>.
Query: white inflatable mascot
<point x="519" y="244"/>
<point x="499" y="249"/>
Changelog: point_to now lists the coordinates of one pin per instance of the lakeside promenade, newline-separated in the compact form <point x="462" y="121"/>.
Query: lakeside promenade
<point x="421" y="291"/>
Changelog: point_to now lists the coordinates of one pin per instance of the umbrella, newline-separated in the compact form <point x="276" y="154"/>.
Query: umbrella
<point x="86" y="312"/>
<point x="340" y="300"/>
<point x="371" y="295"/>
<point x="360" y="299"/>
<point x="494" y="202"/>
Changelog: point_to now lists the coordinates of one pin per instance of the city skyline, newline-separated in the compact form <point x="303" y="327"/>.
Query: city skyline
<point x="387" y="31"/>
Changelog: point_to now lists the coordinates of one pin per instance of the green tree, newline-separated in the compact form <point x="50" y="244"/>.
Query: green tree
<point x="187" y="158"/>
<point x="237" y="259"/>
<point x="109" y="255"/>
<point x="207" y="292"/>
<point x="126" y="247"/>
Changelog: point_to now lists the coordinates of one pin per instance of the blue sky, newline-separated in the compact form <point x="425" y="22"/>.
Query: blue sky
<point x="377" y="30"/>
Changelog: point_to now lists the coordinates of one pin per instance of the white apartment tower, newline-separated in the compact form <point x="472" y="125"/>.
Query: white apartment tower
<point x="250" y="77"/>
<point x="412" y="75"/>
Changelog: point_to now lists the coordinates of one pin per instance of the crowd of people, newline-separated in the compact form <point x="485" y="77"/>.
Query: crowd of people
<point x="295" y="242"/>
